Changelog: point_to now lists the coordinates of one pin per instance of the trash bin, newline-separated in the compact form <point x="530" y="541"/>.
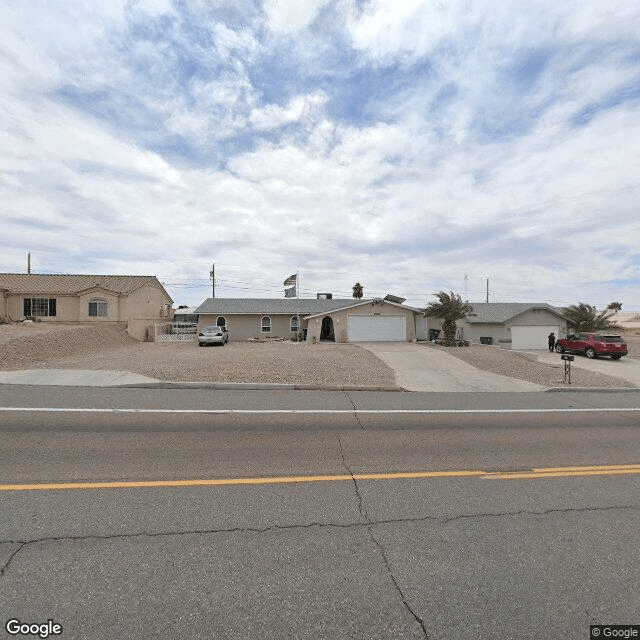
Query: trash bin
<point x="433" y="334"/>
<point x="486" y="340"/>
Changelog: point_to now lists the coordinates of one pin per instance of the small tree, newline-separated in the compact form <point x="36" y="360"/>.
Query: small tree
<point x="584" y="317"/>
<point x="357" y="291"/>
<point x="450" y="308"/>
<point x="615" y="306"/>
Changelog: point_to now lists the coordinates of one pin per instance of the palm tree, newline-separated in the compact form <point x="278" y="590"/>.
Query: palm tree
<point x="615" y="306"/>
<point x="451" y="309"/>
<point x="357" y="291"/>
<point x="583" y="317"/>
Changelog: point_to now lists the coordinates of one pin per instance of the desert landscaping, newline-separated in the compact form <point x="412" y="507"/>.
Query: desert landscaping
<point x="45" y="346"/>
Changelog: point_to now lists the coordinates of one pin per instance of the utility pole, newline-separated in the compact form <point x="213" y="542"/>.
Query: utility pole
<point x="487" y="289"/>
<point x="212" y="275"/>
<point x="465" y="287"/>
<point x="29" y="262"/>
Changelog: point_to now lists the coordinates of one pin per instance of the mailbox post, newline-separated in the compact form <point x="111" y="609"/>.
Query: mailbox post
<point x="567" y="367"/>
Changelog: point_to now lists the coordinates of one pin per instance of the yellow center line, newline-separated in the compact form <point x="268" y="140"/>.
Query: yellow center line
<point x="550" y="472"/>
<point x="234" y="481"/>
<point x="563" y="472"/>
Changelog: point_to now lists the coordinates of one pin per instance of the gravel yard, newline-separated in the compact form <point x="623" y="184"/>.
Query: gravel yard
<point x="515" y="365"/>
<point x="40" y="346"/>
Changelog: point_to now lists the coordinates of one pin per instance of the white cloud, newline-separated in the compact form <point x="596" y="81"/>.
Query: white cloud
<point x="301" y="108"/>
<point x="289" y="16"/>
<point x="452" y="168"/>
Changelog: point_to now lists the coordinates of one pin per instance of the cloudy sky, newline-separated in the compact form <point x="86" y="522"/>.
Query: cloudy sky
<point x="410" y="145"/>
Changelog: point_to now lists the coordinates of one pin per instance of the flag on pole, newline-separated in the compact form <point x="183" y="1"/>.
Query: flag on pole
<point x="291" y="280"/>
<point x="290" y="293"/>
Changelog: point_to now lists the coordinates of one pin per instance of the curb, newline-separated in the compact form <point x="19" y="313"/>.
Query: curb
<point x="256" y="386"/>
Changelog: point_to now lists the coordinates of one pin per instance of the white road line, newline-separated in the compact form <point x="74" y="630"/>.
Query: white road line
<point x="313" y="411"/>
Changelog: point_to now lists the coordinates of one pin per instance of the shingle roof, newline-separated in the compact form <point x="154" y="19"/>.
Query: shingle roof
<point x="498" y="312"/>
<point x="60" y="284"/>
<point x="273" y="306"/>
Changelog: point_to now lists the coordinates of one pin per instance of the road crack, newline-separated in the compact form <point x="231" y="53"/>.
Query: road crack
<point x="355" y="411"/>
<point x="12" y="556"/>
<point x="308" y="525"/>
<point x="369" y="526"/>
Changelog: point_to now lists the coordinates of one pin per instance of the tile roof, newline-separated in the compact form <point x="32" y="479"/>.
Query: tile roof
<point x="273" y="306"/>
<point x="498" y="312"/>
<point x="72" y="284"/>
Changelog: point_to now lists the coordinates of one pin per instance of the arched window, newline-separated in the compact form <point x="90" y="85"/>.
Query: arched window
<point x="221" y="321"/>
<point x="98" y="308"/>
<point x="265" y="324"/>
<point x="294" y="324"/>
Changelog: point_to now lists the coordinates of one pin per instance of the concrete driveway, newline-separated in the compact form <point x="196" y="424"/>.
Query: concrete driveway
<point x="627" y="368"/>
<point x="421" y="368"/>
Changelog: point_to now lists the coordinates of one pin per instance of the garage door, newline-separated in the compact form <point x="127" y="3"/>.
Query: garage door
<point x="532" y="337"/>
<point x="377" y="328"/>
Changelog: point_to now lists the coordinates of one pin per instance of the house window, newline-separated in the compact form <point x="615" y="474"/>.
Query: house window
<point x="221" y="321"/>
<point x="266" y="324"/>
<point x="39" y="307"/>
<point x="98" y="308"/>
<point x="294" y="324"/>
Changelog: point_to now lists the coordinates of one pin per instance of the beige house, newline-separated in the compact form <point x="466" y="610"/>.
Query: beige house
<point x="137" y="302"/>
<point x="510" y="325"/>
<point x="336" y="320"/>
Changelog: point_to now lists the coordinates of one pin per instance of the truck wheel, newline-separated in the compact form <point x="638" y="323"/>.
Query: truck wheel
<point x="590" y="353"/>
<point x="559" y="348"/>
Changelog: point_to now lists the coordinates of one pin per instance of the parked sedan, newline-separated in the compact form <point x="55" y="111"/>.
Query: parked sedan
<point x="593" y="344"/>
<point x="213" y="335"/>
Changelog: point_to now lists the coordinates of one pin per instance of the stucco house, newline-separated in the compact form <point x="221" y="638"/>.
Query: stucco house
<point x="332" y="319"/>
<point x="135" y="301"/>
<point x="510" y="325"/>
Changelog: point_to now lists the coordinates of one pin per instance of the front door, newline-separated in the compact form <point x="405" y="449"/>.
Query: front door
<point x="326" y="333"/>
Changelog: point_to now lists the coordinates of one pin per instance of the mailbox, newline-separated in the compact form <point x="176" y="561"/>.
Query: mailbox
<point x="564" y="356"/>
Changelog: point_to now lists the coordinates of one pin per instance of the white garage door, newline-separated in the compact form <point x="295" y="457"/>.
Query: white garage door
<point x="377" y="328"/>
<point x="532" y="337"/>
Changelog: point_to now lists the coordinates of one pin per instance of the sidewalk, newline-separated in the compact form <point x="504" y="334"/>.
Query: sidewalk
<point x="73" y="378"/>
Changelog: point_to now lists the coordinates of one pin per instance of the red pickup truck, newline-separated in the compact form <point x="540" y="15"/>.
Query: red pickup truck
<point x="593" y="344"/>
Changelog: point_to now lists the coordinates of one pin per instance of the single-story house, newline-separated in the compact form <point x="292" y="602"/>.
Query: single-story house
<point x="137" y="302"/>
<point x="510" y="325"/>
<point x="331" y="319"/>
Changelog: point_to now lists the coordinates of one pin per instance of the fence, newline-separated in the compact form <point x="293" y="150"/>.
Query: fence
<point x="176" y="332"/>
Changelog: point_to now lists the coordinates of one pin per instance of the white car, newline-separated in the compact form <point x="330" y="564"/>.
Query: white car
<point x="213" y="335"/>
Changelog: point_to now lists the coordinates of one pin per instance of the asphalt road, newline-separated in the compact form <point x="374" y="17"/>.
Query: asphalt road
<point x="193" y="527"/>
